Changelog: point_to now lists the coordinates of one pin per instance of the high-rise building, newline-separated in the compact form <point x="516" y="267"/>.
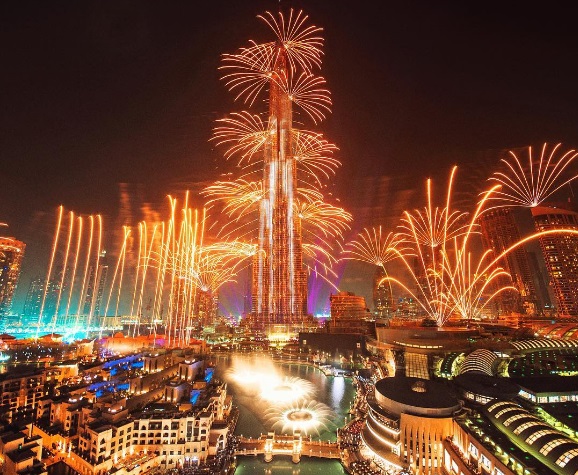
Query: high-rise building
<point x="542" y="288"/>
<point x="382" y="294"/>
<point x="11" y="255"/>
<point x="95" y="287"/>
<point x="499" y="232"/>
<point x="279" y="198"/>
<point x="279" y="290"/>
<point x="33" y="300"/>
<point x="206" y="306"/>
<point x="348" y="313"/>
<point x="560" y="253"/>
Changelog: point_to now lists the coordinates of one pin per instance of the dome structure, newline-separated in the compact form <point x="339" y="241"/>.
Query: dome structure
<point x="481" y="361"/>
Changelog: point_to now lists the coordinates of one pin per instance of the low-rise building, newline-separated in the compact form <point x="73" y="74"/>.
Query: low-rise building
<point x="21" y="453"/>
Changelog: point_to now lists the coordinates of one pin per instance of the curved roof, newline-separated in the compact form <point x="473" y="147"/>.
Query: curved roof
<point x="559" y="330"/>
<point x="543" y="343"/>
<point x="489" y="386"/>
<point x="481" y="361"/>
<point x="447" y="365"/>
<point x="416" y="392"/>
<point x="552" y="447"/>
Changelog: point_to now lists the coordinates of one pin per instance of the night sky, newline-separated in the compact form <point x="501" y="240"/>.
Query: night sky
<point x="93" y="94"/>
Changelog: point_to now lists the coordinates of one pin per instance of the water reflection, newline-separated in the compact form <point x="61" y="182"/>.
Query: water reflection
<point x="285" y="403"/>
<point x="337" y="391"/>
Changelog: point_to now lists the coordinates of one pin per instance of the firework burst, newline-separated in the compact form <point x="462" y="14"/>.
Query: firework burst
<point x="244" y="133"/>
<point x="301" y="41"/>
<point x="308" y="92"/>
<point x="278" y="202"/>
<point x="433" y="225"/>
<point x="373" y="247"/>
<point x="529" y="185"/>
<point x="448" y="279"/>
<point x="314" y="154"/>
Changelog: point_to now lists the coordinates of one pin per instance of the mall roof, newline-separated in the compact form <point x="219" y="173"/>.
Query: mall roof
<point x="489" y="386"/>
<point x="481" y="361"/>
<point x="552" y="447"/>
<point x="543" y="343"/>
<point x="416" y="392"/>
<point x="548" y="384"/>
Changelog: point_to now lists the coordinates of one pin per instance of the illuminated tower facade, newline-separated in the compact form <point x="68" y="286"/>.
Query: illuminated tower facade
<point x="278" y="202"/>
<point x="11" y="255"/>
<point x="33" y="300"/>
<point x="560" y="254"/>
<point x="499" y="232"/>
<point x="348" y="313"/>
<point x="95" y="288"/>
<point x="206" y="307"/>
<point x="382" y="294"/>
<point x="279" y="279"/>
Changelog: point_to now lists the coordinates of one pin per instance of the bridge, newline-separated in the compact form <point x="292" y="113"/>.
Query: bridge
<point x="295" y="445"/>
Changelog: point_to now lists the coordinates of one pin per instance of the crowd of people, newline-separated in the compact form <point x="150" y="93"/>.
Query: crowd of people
<point x="364" y="467"/>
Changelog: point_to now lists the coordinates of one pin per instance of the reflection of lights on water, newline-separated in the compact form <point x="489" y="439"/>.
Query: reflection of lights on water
<point x="337" y="391"/>
<point x="307" y="417"/>
<point x="289" y="407"/>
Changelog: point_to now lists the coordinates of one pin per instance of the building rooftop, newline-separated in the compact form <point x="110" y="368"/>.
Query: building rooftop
<point x="545" y="384"/>
<point x="490" y="386"/>
<point x="20" y="455"/>
<point x="11" y="436"/>
<point x="22" y="373"/>
<point x="547" y="444"/>
<point x="416" y="392"/>
<point x="566" y="412"/>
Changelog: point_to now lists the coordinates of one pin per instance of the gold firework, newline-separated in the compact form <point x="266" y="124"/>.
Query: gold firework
<point x="529" y="185"/>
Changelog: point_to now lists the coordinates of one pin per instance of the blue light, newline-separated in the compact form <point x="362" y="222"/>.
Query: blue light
<point x="195" y="395"/>
<point x="208" y="375"/>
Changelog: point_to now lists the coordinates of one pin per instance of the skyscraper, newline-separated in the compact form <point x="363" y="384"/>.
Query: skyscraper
<point x="283" y="167"/>
<point x="11" y="255"/>
<point x="34" y="298"/>
<point x="95" y="288"/>
<point x="560" y="253"/>
<point x="206" y="307"/>
<point x="348" y="313"/>
<point x="499" y="232"/>
<point x="382" y="294"/>
<point x="279" y="279"/>
<point x="33" y="302"/>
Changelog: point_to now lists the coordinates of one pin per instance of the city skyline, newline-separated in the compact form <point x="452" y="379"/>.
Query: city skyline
<point x="151" y="147"/>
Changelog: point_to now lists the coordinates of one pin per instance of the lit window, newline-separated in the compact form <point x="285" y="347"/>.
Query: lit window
<point x="511" y="419"/>
<point x="522" y="427"/>
<point x="498" y="404"/>
<point x="552" y="445"/>
<point x="536" y="435"/>
<point x="503" y="411"/>
<point x="566" y="457"/>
